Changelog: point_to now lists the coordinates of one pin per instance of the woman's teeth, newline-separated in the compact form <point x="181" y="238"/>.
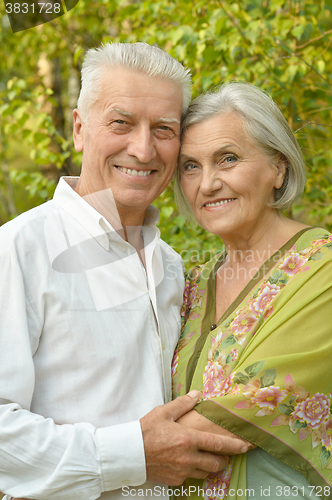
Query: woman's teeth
<point x="218" y="203"/>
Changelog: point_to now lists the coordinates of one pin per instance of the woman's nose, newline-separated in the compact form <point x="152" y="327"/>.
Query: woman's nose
<point x="210" y="181"/>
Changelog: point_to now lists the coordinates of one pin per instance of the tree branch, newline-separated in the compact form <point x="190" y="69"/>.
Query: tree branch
<point x="313" y="40"/>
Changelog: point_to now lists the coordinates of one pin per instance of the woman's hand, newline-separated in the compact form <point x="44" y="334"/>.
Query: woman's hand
<point x="195" y="420"/>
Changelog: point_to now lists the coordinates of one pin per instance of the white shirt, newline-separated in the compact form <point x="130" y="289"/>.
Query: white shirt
<point x="86" y="343"/>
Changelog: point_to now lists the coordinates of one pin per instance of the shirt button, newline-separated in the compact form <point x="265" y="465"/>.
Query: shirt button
<point x="126" y="482"/>
<point x="104" y="238"/>
<point x="123" y="249"/>
<point x="212" y="327"/>
<point x="163" y="346"/>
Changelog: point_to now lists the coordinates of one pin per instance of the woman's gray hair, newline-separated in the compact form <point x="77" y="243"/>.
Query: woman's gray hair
<point x="265" y="125"/>
<point x="138" y="56"/>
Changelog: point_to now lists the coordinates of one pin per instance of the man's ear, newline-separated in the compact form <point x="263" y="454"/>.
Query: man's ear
<point x="281" y="166"/>
<point x="78" y="131"/>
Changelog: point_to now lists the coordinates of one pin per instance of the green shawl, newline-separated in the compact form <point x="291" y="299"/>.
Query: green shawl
<point x="265" y="369"/>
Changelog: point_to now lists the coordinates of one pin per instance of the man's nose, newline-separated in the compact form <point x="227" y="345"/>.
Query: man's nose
<point x="141" y="145"/>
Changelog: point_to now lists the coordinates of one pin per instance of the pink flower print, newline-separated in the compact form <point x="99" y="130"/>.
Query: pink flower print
<point x="234" y="353"/>
<point x="292" y="264"/>
<point x="269" y="397"/>
<point x="327" y="439"/>
<point x="175" y="363"/>
<point x="215" y="382"/>
<point x="318" y="243"/>
<point x="264" y="298"/>
<point x="216" y="484"/>
<point x="243" y="322"/>
<point x="188" y="297"/>
<point x="313" y="410"/>
<point x="251" y="388"/>
<point x="236" y="390"/>
<point x="301" y="394"/>
<point x="196" y="272"/>
<point x="268" y="312"/>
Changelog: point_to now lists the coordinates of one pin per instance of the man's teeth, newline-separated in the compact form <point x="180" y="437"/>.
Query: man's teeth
<point x="222" y="202"/>
<point x="140" y="173"/>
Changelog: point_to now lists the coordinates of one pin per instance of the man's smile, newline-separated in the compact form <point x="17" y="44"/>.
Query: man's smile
<point x="133" y="172"/>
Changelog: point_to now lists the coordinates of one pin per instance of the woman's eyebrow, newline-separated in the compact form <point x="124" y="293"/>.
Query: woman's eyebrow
<point x="224" y="148"/>
<point x="219" y="151"/>
<point x="183" y="157"/>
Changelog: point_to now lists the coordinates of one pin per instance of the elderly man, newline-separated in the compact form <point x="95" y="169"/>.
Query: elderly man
<point x="90" y="301"/>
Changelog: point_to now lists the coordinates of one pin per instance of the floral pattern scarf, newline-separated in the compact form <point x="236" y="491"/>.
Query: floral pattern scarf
<point x="265" y="369"/>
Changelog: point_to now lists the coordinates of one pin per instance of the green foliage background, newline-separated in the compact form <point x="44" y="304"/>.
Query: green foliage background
<point x="283" y="46"/>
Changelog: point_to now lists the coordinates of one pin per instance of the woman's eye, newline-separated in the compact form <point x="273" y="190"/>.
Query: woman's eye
<point x="228" y="159"/>
<point x="189" y="167"/>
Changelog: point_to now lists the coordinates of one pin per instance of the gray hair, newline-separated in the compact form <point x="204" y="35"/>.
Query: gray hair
<point x="136" y="56"/>
<point x="265" y="125"/>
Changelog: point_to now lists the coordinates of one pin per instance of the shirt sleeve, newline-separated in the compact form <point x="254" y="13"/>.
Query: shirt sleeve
<point x="38" y="458"/>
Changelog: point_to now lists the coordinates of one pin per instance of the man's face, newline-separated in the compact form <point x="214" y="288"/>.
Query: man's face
<point x="131" y="139"/>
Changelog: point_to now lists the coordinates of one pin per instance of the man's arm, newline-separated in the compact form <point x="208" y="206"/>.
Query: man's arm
<point x="39" y="459"/>
<point x="174" y="452"/>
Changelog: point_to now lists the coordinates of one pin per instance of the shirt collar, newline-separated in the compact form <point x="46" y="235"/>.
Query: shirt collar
<point x="66" y="196"/>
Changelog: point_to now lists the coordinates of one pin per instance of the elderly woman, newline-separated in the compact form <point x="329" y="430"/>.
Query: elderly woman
<point x="256" y="337"/>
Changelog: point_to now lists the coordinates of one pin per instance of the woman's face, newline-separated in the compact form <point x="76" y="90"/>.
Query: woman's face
<point x="228" y="181"/>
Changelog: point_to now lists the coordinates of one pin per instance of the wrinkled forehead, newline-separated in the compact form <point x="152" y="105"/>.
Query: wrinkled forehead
<point x="131" y="84"/>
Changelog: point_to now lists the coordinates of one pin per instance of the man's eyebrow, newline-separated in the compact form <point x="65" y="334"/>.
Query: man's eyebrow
<point x="169" y="120"/>
<point x="132" y="115"/>
<point x="122" y="112"/>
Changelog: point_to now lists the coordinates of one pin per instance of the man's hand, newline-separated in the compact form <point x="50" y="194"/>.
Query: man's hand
<point x="194" y="420"/>
<point x="174" y="452"/>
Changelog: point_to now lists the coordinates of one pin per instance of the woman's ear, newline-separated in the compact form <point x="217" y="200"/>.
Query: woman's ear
<point x="281" y="165"/>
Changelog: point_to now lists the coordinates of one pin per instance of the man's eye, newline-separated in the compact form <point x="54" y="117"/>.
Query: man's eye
<point x="164" y="132"/>
<point x="120" y="126"/>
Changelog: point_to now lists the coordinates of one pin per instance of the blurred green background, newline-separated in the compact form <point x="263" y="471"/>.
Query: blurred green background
<point x="283" y="46"/>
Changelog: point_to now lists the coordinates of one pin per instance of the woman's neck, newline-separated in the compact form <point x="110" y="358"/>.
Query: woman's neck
<point x="260" y="244"/>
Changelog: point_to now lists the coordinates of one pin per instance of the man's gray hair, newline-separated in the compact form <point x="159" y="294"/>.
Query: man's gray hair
<point x="138" y="56"/>
<point x="266" y="127"/>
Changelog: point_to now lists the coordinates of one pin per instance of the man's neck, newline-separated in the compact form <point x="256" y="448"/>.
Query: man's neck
<point x="128" y="225"/>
